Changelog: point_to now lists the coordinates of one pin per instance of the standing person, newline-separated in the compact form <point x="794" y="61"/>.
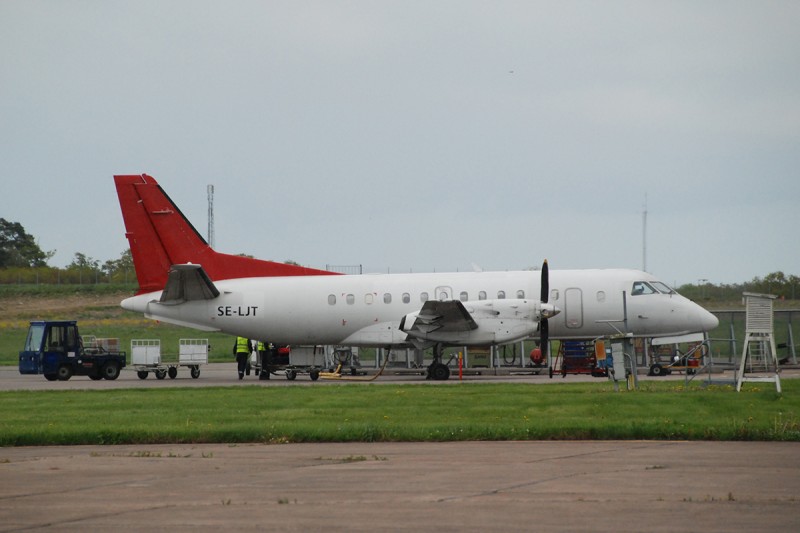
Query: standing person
<point x="242" y="352"/>
<point x="264" y="359"/>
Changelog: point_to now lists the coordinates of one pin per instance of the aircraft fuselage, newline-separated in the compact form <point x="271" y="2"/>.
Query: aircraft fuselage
<point x="367" y="310"/>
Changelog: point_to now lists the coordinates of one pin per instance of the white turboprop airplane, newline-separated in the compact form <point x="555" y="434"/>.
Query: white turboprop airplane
<point x="183" y="281"/>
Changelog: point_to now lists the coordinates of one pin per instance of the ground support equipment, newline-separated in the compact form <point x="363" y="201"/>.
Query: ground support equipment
<point x="146" y="358"/>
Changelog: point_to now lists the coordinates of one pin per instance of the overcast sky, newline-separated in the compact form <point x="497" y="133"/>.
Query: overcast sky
<point x="416" y="136"/>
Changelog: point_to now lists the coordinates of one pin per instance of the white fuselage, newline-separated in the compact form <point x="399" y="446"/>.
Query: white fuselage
<point x="366" y="310"/>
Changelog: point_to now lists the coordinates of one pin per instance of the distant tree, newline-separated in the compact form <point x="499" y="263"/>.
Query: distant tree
<point x="82" y="261"/>
<point x="117" y="270"/>
<point x="18" y="248"/>
<point x="84" y="265"/>
<point x="113" y="266"/>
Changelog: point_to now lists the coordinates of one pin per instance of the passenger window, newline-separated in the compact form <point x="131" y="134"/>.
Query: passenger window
<point x="501" y="295"/>
<point x="601" y="296"/>
<point x="351" y="299"/>
<point x="387" y="298"/>
<point x="369" y="298"/>
<point x="520" y="295"/>
<point x="482" y="295"/>
<point x="423" y="297"/>
<point x="331" y="299"/>
<point x="406" y="297"/>
<point x="463" y="296"/>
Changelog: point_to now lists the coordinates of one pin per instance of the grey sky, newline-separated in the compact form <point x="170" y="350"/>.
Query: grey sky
<point x="415" y="135"/>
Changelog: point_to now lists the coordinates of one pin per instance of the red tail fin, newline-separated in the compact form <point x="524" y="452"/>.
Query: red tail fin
<point x="160" y="236"/>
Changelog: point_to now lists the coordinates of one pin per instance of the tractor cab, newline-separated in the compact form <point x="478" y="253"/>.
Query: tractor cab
<point x="55" y="349"/>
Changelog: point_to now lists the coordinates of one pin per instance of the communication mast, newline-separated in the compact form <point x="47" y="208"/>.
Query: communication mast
<point x="211" y="215"/>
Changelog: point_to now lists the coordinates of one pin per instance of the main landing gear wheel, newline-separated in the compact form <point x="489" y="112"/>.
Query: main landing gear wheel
<point x="439" y="372"/>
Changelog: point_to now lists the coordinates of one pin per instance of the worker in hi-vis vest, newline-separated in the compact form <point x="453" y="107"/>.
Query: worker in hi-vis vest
<point x="264" y="358"/>
<point x="242" y="352"/>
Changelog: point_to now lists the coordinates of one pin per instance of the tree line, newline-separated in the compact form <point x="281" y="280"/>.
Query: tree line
<point x="22" y="261"/>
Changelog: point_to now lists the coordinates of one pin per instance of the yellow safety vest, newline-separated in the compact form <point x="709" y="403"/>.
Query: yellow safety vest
<point x="242" y="345"/>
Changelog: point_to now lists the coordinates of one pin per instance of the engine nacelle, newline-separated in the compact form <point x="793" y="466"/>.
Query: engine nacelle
<point x="477" y="322"/>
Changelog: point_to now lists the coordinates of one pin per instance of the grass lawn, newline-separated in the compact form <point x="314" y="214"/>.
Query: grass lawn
<point x="370" y="412"/>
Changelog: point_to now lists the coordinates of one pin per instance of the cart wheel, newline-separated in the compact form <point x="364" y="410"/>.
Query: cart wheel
<point x="291" y="375"/>
<point x="550" y="369"/>
<point x="656" y="370"/>
<point x="195" y="371"/>
<point x="314" y="375"/>
<point x="161" y="374"/>
<point x="64" y="372"/>
<point x="173" y="372"/>
<point x="142" y="374"/>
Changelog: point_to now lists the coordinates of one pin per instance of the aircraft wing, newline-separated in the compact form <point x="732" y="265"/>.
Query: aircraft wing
<point x="442" y="317"/>
<point x="186" y="283"/>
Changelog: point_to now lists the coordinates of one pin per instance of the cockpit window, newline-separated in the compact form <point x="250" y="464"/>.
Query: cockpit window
<point x="642" y="287"/>
<point x="662" y="287"/>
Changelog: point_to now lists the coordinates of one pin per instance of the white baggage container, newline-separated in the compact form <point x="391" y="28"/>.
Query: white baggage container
<point x="193" y="352"/>
<point x="145" y="352"/>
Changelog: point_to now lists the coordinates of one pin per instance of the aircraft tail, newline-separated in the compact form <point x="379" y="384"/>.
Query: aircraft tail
<point x="160" y="236"/>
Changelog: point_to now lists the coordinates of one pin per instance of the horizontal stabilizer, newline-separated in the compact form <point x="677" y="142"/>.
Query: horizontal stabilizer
<point x="186" y="283"/>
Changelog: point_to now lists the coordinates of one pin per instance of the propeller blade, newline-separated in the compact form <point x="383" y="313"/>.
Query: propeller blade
<point x="545" y="283"/>
<point x="544" y="327"/>
<point x="544" y="337"/>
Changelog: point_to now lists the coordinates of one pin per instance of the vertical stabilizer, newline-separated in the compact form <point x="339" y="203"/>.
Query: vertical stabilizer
<point x="160" y="236"/>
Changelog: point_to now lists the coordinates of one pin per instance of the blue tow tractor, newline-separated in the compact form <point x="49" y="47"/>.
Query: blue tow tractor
<point x="55" y="349"/>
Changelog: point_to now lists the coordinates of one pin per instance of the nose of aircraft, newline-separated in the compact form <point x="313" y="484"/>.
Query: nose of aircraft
<point x="707" y="320"/>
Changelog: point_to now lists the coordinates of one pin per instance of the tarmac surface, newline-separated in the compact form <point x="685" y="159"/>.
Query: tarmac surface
<point x="461" y="486"/>
<point x="457" y="486"/>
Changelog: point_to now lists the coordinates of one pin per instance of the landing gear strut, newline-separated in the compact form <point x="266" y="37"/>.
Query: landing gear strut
<point x="437" y="370"/>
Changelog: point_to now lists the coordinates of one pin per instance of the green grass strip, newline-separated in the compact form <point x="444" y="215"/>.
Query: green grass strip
<point x="424" y="412"/>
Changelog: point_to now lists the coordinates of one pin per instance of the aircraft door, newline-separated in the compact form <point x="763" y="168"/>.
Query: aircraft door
<point x="573" y="308"/>
<point x="443" y="293"/>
